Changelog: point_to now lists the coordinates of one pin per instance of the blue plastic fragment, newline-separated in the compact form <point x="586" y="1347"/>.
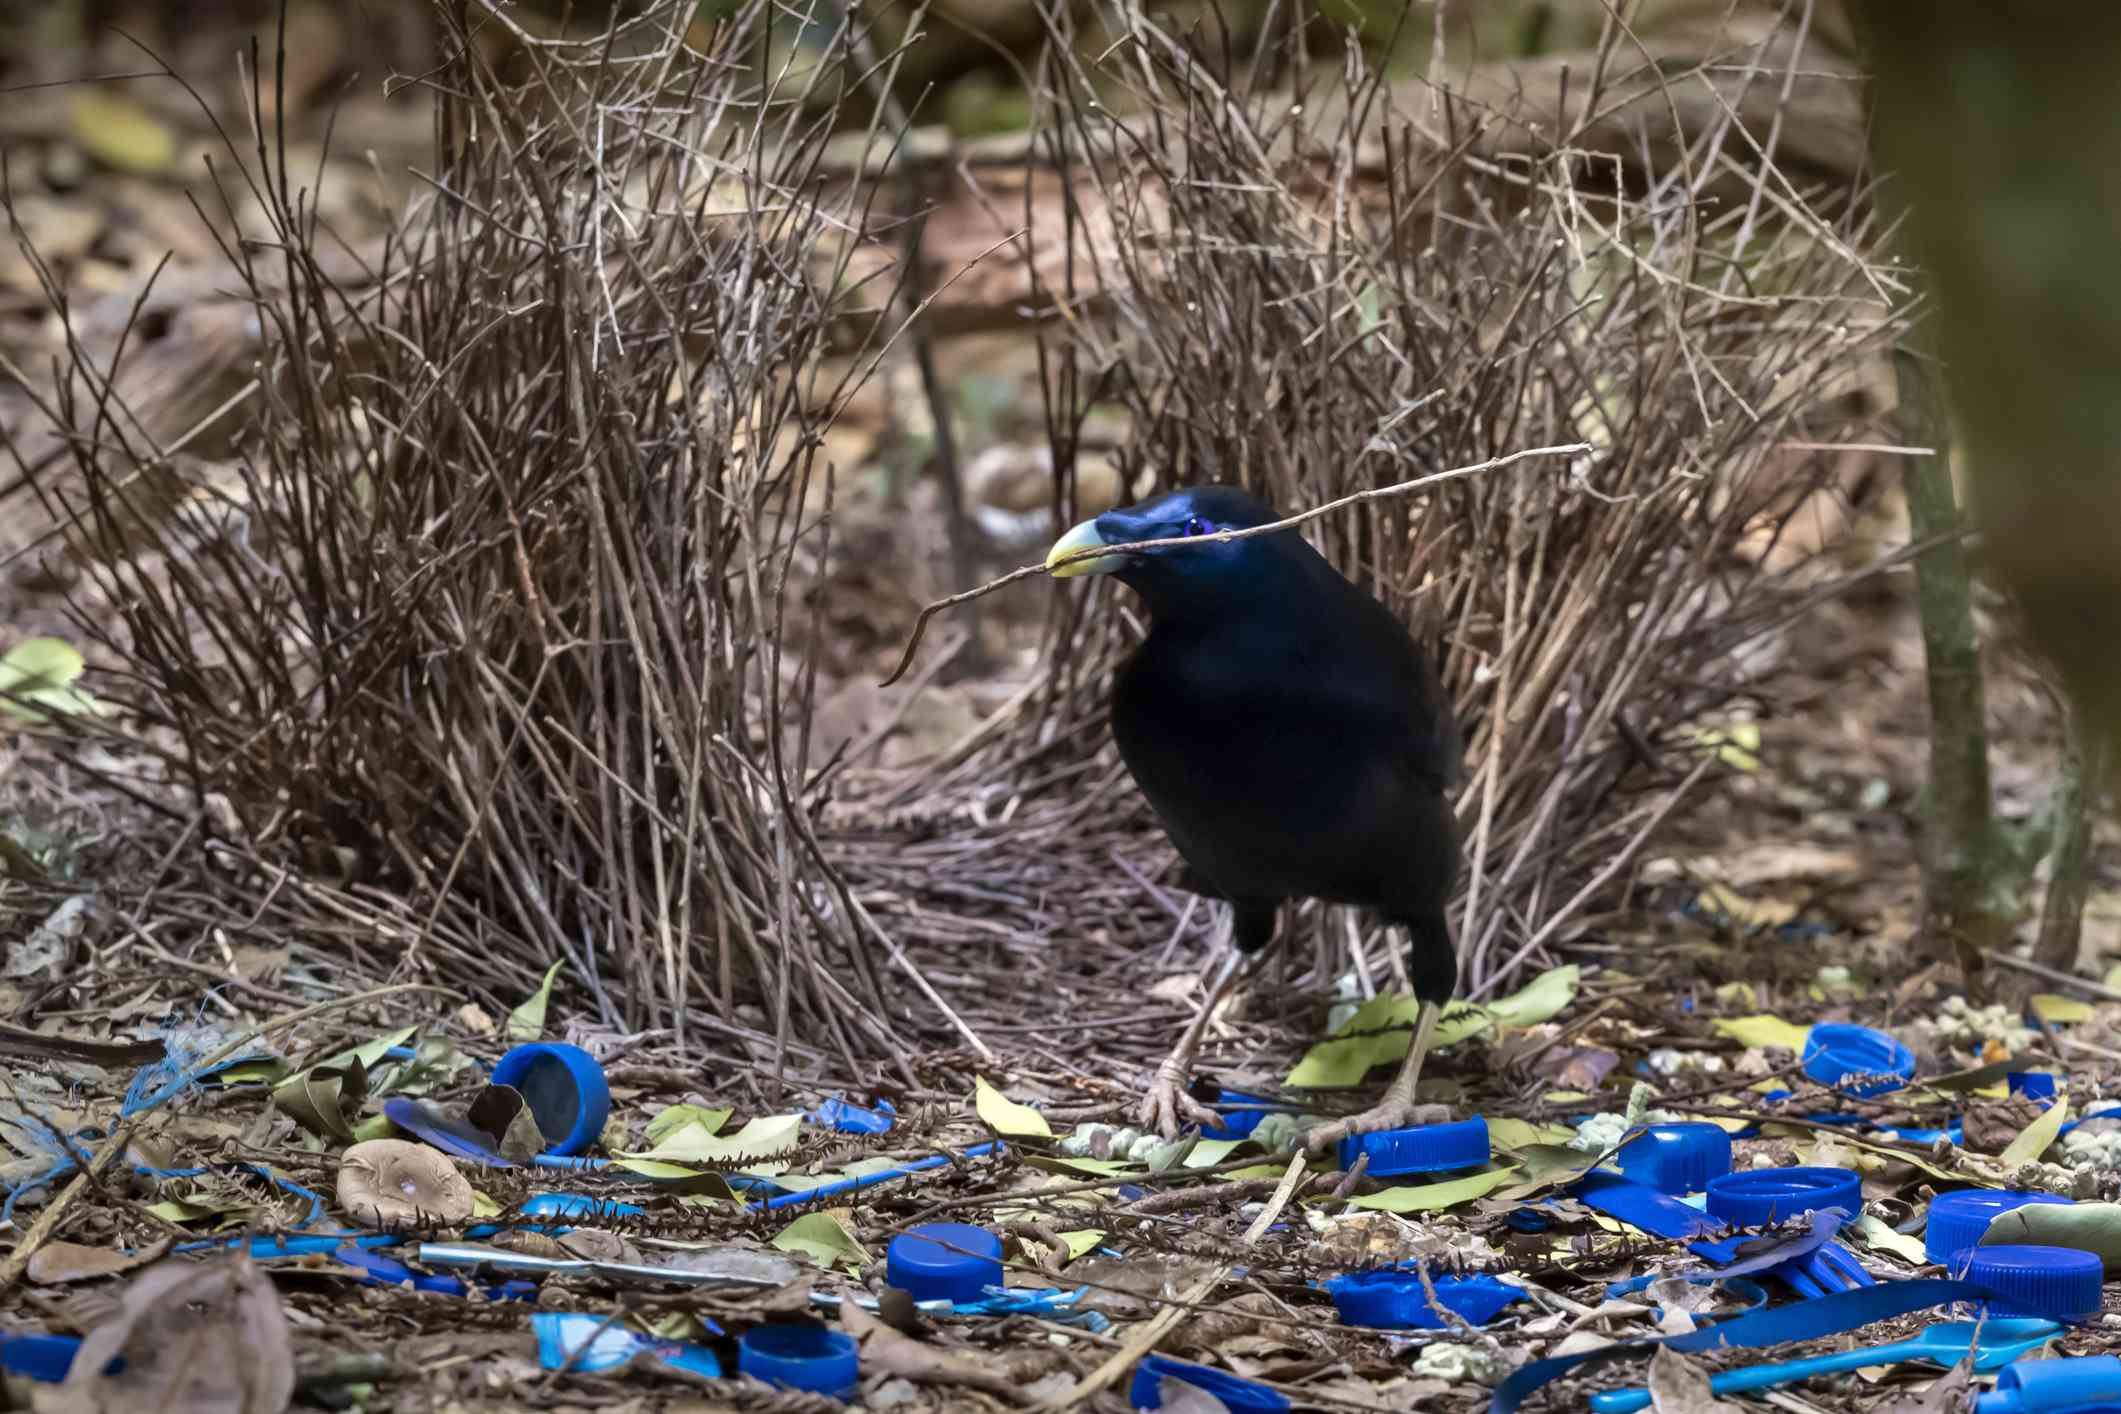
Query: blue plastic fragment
<point x="579" y="1205"/>
<point x="45" y="1357"/>
<point x="576" y="1340"/>
<point x="853" y="1119"/>
<point x="1239" y="1396"/>
<point x="2033" y="1084"/>
<point x="1392" y="1298"/>
<point x="2081" y="1384"/>
<point x="1872" y="1062"/>
<point x="1241" y="1114"/>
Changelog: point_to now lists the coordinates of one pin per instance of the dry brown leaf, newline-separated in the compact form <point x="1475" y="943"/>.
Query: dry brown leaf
<point x="1681" y="1386"/>
<point x="56" y="1263"/>
<point x="196" y="1338"/>
<point x="891" y="1352"/>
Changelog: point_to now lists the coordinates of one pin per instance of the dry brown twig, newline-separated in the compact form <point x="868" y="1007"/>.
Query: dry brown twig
<point x="1142" y="547"/>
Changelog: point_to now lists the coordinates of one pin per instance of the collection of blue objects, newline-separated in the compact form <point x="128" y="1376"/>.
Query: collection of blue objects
<point x="1671" y="1180"/>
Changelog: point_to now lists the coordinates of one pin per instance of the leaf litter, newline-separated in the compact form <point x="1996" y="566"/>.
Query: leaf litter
<point x="700" y="1215"/>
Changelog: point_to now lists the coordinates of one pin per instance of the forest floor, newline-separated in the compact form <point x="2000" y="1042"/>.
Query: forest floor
<point x="164" y="1101"/>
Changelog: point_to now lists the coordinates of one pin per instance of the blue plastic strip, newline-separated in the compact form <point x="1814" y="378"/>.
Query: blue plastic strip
<point x="869" y="1180"/>
<point x="1805" y="1320"/>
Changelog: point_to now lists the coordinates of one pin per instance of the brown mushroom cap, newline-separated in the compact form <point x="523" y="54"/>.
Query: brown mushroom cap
<point x="392" y="1183"/>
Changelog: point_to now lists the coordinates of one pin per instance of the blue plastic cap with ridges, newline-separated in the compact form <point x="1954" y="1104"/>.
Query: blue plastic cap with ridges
<point x="801" y="1357"/>
<point x="1422" y="1148"/>
<point x="1238" y="1396"/>
<point x="2060" y="1283"/>
<point x="1752" y="1197"/>
<point x="1393" y="1299"/>
<point x="565" y="1090"/>
<point x="944" y="1262"/>
<point x="1834" y="1050"/>
<point x="2087" y="1383"/>
<point x="1676" y="1158"/>
<point x="1958" y="1220"/>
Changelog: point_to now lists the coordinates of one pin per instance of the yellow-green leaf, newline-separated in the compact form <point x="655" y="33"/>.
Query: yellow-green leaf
<point x="1081" y="1240"/>
<point x="1877" y="1234"/>
<point x="369" y="1053"/>
<point x="1509" y="1134"/>
<point x="1431" y="1197"/>
<point x="527" y="1022"/>
<point x="2032" y="1141"/>
<point x="1210" y="1152"/>
<point x="1762" y="1030"/>
<point x="1542" y="999"/>
<point x="1005" y="1116"/>
<point x="2060" y="1011"/>
<point x="825" y="1238"/>
<point x="671" y="1118"/>
<point x="1096" y="1168"/>
<point x="37" y="679"/>
<point x="761" y="1138"/>
<point x="483" y="1206"/>
<point x="1343" y="1061"/>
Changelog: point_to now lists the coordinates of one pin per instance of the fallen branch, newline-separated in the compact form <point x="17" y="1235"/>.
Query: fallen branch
<point x="1140" y="547"/>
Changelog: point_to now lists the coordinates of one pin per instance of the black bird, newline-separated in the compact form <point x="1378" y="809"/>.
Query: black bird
<point x="1293" y="741"/>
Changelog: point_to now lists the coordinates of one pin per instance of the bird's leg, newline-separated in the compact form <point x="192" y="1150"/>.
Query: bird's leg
<point x="1167" y="1105"/>
<point x="1397" y="1109"/>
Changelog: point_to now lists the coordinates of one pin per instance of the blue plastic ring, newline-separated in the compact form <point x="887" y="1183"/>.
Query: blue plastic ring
<point x="801" y="1357"/>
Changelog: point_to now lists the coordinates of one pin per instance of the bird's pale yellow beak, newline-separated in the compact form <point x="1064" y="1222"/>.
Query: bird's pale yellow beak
<point x="1083" y="537"/>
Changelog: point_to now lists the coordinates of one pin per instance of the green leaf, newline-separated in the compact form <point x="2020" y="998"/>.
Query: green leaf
<point x="1878" y="1235"/>
<point x="678" y="1177"/>
<point x="671" y="1118"/>
<point x="527" y="1022"/>
<point x="1549" y="1166"/>
<point x="2032" y="1141"/>
<point x="1081" y="1240"/>
<point x="1432" y="1197"/>
<point x="825" y="1238"/>
<point x="2087" y="1227"/>
<point x="1340" y="1063"/>
<point x="761" y="1138"/>
<point x="1542" y="999"/>
<point x="483" y="1206"/>
<point x="369" y="1053"/>
<point x="2060" y="1011"/>
<point x="1210" y="1152"/>
<point x="37" y="680"/>
<point x="1509" y="1135"/>
<point x="1763" y="1030"/>
<point x="1096" y="1168"/>
<point x="860" y="1168"/>
<point x="1005" y="1116"/>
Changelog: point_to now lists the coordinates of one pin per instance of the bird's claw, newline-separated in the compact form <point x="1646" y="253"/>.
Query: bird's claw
<point x="1166" y="1107"/>
<point x="1393" y="1114"/>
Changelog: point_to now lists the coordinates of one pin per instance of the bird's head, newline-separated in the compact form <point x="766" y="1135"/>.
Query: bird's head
<point x="1173" y="574"/>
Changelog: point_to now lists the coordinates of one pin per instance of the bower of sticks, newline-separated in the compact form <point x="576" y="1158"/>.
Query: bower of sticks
<point x="511" y="604"/>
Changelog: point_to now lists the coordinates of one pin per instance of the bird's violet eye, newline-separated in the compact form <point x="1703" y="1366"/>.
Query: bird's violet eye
<point x="1195" y="526"/>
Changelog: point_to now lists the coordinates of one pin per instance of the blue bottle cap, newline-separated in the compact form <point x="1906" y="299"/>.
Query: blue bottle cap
<point x="944" y="1262"/>
<point x="2033" y="1084"/>
<point x="1752" y="1197"/>
<point x="1392" y="1299"/>
<point x="1422" y="1148"/>
<point x="1237" y="1395"/>
<point x="1676" y="1158"/>
<point x="1834" y="1049"/>
<point x="1958" y="1219"/>
<point x="801" y="1357"/>
<point x="2060" y="1283"/>
<point x="565" y="1090"/>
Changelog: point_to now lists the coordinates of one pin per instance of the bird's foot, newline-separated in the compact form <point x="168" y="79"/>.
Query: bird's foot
<point x="1392" y="1114"/>
<point x="1166" y="1107"/>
